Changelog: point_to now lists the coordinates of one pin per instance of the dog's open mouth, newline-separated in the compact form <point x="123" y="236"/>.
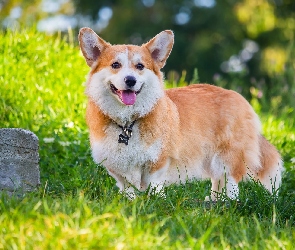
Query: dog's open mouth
<point x="128" y="96"/>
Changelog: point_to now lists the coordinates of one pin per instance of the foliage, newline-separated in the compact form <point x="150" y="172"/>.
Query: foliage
<point x="78" y="205"/>
<point x="31" y="78"/>
<point x="249" y="40"/>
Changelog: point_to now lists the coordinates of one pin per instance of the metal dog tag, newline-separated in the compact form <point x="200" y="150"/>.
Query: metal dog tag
<point x="123" y="139"/>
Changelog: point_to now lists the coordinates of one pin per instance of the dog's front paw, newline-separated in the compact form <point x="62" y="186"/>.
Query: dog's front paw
<point x="129" y="193"/>
<point x="211" y="197"/>
<point x="207" y="198"/>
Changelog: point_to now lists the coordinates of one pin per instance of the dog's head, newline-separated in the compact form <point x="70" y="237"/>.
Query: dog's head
<point x="125" y="77"/>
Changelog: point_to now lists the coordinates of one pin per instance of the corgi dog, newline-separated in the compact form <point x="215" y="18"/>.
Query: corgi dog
<point x="148" y="137"/>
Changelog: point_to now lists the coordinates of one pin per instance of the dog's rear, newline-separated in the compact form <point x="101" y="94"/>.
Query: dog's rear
<point x="221" y="133"/>
<point x="272" y="165"/>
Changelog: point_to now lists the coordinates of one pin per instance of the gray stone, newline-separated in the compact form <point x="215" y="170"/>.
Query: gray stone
<point x="19" y="160"/>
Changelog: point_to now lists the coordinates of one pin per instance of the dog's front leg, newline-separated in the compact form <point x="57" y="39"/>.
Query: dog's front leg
<point x="156" y="180"/>
<point x="123" y="185"/>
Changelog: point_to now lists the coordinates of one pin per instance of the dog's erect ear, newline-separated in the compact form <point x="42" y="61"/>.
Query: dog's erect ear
<point x="91" y="45"/>
<point x="160" y="47"/>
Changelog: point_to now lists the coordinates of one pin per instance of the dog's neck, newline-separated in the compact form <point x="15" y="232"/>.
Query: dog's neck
<point x="123" y="121"/>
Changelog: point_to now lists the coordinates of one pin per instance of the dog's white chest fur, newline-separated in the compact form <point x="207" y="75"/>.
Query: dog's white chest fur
<point x="127" y="160"/>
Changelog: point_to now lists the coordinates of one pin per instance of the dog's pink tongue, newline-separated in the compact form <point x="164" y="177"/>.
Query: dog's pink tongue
<point x="128" y="97"/>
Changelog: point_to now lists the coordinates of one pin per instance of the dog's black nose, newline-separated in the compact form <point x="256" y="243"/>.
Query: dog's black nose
<point x="130" y="81"/>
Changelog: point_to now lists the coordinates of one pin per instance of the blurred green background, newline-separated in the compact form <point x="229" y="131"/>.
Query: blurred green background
<point x="245" y="45"/>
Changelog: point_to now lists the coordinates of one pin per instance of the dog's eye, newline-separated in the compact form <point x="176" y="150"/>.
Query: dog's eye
<point x="139" y="66"/>
<point x="116" y="65"/>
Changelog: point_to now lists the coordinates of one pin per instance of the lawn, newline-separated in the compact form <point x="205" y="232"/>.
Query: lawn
<point x="78" y="206"/>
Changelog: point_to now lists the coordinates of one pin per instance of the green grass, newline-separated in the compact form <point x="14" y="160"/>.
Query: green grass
<point x="78" y="205"/>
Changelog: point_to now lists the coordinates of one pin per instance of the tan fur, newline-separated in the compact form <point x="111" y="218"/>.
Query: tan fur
<point x="270" y="170"/>
<point x="198" y="131"/>
<point x="215" y="120"/>
<point x="96" y="121"/>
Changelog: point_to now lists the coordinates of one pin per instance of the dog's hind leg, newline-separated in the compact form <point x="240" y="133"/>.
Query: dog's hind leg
<point x="225" y="185"/>
<point x="272" y="166"/>
<point x="222" y="179"/>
